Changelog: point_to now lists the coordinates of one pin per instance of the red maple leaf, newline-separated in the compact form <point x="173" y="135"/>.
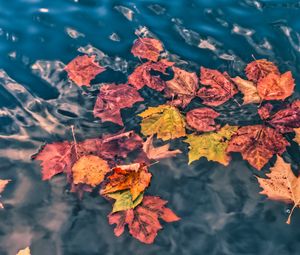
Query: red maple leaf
<point x="202" y="119"/>
<point x="148" y="48"/>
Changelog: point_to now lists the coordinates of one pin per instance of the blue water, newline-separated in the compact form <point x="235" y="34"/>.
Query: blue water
<point x="221" y="209"/>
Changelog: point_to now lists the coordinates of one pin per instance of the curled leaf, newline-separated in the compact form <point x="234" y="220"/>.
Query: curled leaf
<point x="258" y="69"/>
<point x="148" y="48"/>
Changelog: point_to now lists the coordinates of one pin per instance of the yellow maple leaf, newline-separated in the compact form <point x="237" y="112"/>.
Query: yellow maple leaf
<point x="124" y="201"/>
<point x="211" y="145"/>
<point x="164" y="120"/>
<point x="90" y="170"/>
<point x="25" y="251"/>
<point x="281" y="185"/>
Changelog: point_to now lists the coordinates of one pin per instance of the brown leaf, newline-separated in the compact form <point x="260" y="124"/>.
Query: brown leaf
<point x="257" y="144"/>
<point x="202" y="119"/>
<point x="148" y="48"/>
<point x="83" y="69"/>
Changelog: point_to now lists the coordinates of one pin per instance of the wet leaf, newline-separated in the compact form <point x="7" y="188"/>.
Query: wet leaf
<point x="257" y="144"/>
<point x="182" y="88"/>
<point x="164" y="120"/>
<point x="275" y="86"/>
<point x="202" y="119"/>
<point x="281" y="185"/>
<point x="249" y="89"/>
<point x="148" y="48"/>
<point x="134" y="177"/>
<point x="25" y="251"/>
<point x="297" y="137"/>
<point x="158" y="152"/>
<point x="142" y="76"/>
<point x="3" y="184"/>
<point x="285" y="120"/>
<point x="143" y="221"/>
<point x="112" y="99"/>
<point x="218" y="88"/>
<point x="124" y="201"/>
<point x="83" y="69"/>
<point x="211" y="145"/>
<point x="89" y="170"/>
<point x="258" y="69"/>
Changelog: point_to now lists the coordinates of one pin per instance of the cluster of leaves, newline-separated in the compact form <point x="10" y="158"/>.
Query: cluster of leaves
<point x="103" y="162"/>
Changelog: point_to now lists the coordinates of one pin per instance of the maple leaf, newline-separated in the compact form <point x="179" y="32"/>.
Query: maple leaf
<point x="148" y="48"/>
<point x="211" y="145"/>
<point x="159" y="152"/>
<point x="83" y="69"/>
<point x="249" y="89"/>
<point x="281" y="185"/>
<point x="3" y="184"/>
<point x="25" y="251"/>
<point x="163" y="120"/>
<point x="112" y="98"/>
<point x="182" y="87"/>
<point x="258" y="69"/>
<point x="142" y="76"/>
<point x="89" y="170"/>
<point x="143" y="221"/>
<point x="124" y="201"/>
<point x="257" y="144"/>
<point x="134" y="177"/>
<point x="284" y="120"/>
<point x="218" y="88"/>
<point x="276" y="86"/>
<point x="202" y="119"/>
<point x="297" y="137"/>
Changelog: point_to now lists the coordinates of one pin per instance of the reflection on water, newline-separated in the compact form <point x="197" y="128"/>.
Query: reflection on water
<point x="221" y="210"/>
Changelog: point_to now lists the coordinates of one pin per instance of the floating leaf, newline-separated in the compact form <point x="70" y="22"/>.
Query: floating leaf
<point x="3" y="184"/>
<point x="211" y="145"/>
<point x="83" y="69"/>
<point x="257" y="144"/>
<point x="89" y="170"/>
<point x="143" y="221"/>
<point x="182" y="88"/>
<point x="25" y="251"/>
<point x="142" y="76"/>
<point x="258" y="69"/>
<point x="164" y="120"/>
<point x="148" y="48"/>
<point x="249" y="89"/>
<point x="297" y="137"/>
<point x="159" y="152"/>
<point x="133" y="177"/>
<point x="112" y="98"/>
<point x="124" y="200"/>
<point x="275" y="86"/>
<point x="202" y="119"/>
<point x="218" y="88"/>
<point x="281" y="185"/>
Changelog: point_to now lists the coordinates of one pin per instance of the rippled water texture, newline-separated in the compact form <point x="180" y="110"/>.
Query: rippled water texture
<point x="221" y="210"/>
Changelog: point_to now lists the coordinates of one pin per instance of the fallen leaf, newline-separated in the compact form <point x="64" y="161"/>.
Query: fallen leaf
<point x="202" y="119"/>
<point x="142" y="76"/>
<point x="211" y="145"/>
<point x="143" y="221"/>
<point x="258" y="69"/>
<point x="112" y="99"/>
<point x="257" y="144"/>
<point x="3" y="184"/>
<point x="285" y="120"/>
<point x="83" y="69"/>
<point x="218" y="88"/>
<point x="281" y="185"/>
<point x="275" y="86"/>
<point x="134" y="177"/>
<point x="25" y="251"/>
<point x="164" y="120"/>
<point x="89" y="170"/>
<point x="148" y="48"/>
<point x="249" y="90"/>
<point x="124" y="201"/>
<point x="159" y="152"/>
<point x="297" y="137"/>
<point x="182" y="88"/>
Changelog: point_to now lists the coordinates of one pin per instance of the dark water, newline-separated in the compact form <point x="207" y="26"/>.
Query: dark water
<point x="221" y="210"/>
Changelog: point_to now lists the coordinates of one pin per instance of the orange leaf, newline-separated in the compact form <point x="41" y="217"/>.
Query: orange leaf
<point x="3" y="184"/>
<point x="148" y="48"/>
<point x="276" y="87"/>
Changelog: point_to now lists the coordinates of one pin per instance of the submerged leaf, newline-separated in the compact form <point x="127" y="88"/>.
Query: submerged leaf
<point x="148" y="48"/>
<point x="124" y="200"/>
<point x="257" y="144"/>
<point x="83" y="69"/>
<point x="211" y="145"/>
<point x="164" y="120"/>
<point x="258" y="69"/>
